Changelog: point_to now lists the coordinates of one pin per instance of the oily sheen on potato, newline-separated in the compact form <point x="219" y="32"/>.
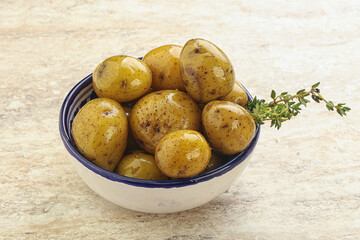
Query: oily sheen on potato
<point x="228" y="126"/>
<point x="162" y="112"/>
<point x="206" y="71"/>
<point x="184" y="153"/>
<point x="122" y="78"/>
<point x="100" y="131"/>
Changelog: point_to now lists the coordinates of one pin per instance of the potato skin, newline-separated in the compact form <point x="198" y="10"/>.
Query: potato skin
<point x="163" y="62"/>
<point x="228" y="126"/>
<point x="162" y="112"/>
<point x="206" y="71"/>
<point x="140" y="165"/>
<point x="100" y="131"/>
<point x="181" y="154"/>
<point x="122" y="78"/>
<point x="237" y="95"/>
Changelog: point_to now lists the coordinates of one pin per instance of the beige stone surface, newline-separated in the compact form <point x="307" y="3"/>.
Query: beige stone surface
<point x="303" y="181"/>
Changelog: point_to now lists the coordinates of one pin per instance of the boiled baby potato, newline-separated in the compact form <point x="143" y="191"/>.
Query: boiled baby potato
<point x="122" y="78"/>
<point x="100" y="131"/>
<point x="164" y="65"/>
<point x="140" y="165"/>
<point x="228" y="126"/>
<point x="162" y="112"/>
<point x="206" y="71"/>
<point x="237" y="95"/>
<point x="181" y="154"/>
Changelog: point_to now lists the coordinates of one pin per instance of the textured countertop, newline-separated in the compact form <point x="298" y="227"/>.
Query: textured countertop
<point x="303" y="181"/>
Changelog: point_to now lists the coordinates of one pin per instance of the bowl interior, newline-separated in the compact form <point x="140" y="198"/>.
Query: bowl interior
<point x="82" y="93"/>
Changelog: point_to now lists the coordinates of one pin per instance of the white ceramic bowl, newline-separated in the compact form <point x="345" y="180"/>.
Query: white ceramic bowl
<point x="151" y="196"/>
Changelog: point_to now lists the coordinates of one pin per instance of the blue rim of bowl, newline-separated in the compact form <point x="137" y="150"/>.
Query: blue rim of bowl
<point x="71" y="148"/>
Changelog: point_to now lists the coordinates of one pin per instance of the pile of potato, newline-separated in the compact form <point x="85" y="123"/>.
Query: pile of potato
<point x="151" y="116"/>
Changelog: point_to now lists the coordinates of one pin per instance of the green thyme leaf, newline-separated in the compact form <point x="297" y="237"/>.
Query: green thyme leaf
<point x="273" y="94"/>
<point x="315" y="85"/>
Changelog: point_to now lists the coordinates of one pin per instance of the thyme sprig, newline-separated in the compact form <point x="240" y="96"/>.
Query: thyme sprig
<point x="284" y="106"/>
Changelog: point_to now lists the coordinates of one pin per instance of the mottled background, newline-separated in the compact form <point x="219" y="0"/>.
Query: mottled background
<point x="303" y="181"/>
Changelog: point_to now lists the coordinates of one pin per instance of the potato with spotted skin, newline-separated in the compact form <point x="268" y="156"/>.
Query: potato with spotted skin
<point x="181" y="154"/>
<point x="228" y="126"/>
<point x="140" y="165"/>
<point x="237" y="95"/>
<point x="100" y="131"/>
<point x="206" y="71"/>
<point x="162" y="112"/>
<point x="163" y="62"/>
<point x="122" y="78"/>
